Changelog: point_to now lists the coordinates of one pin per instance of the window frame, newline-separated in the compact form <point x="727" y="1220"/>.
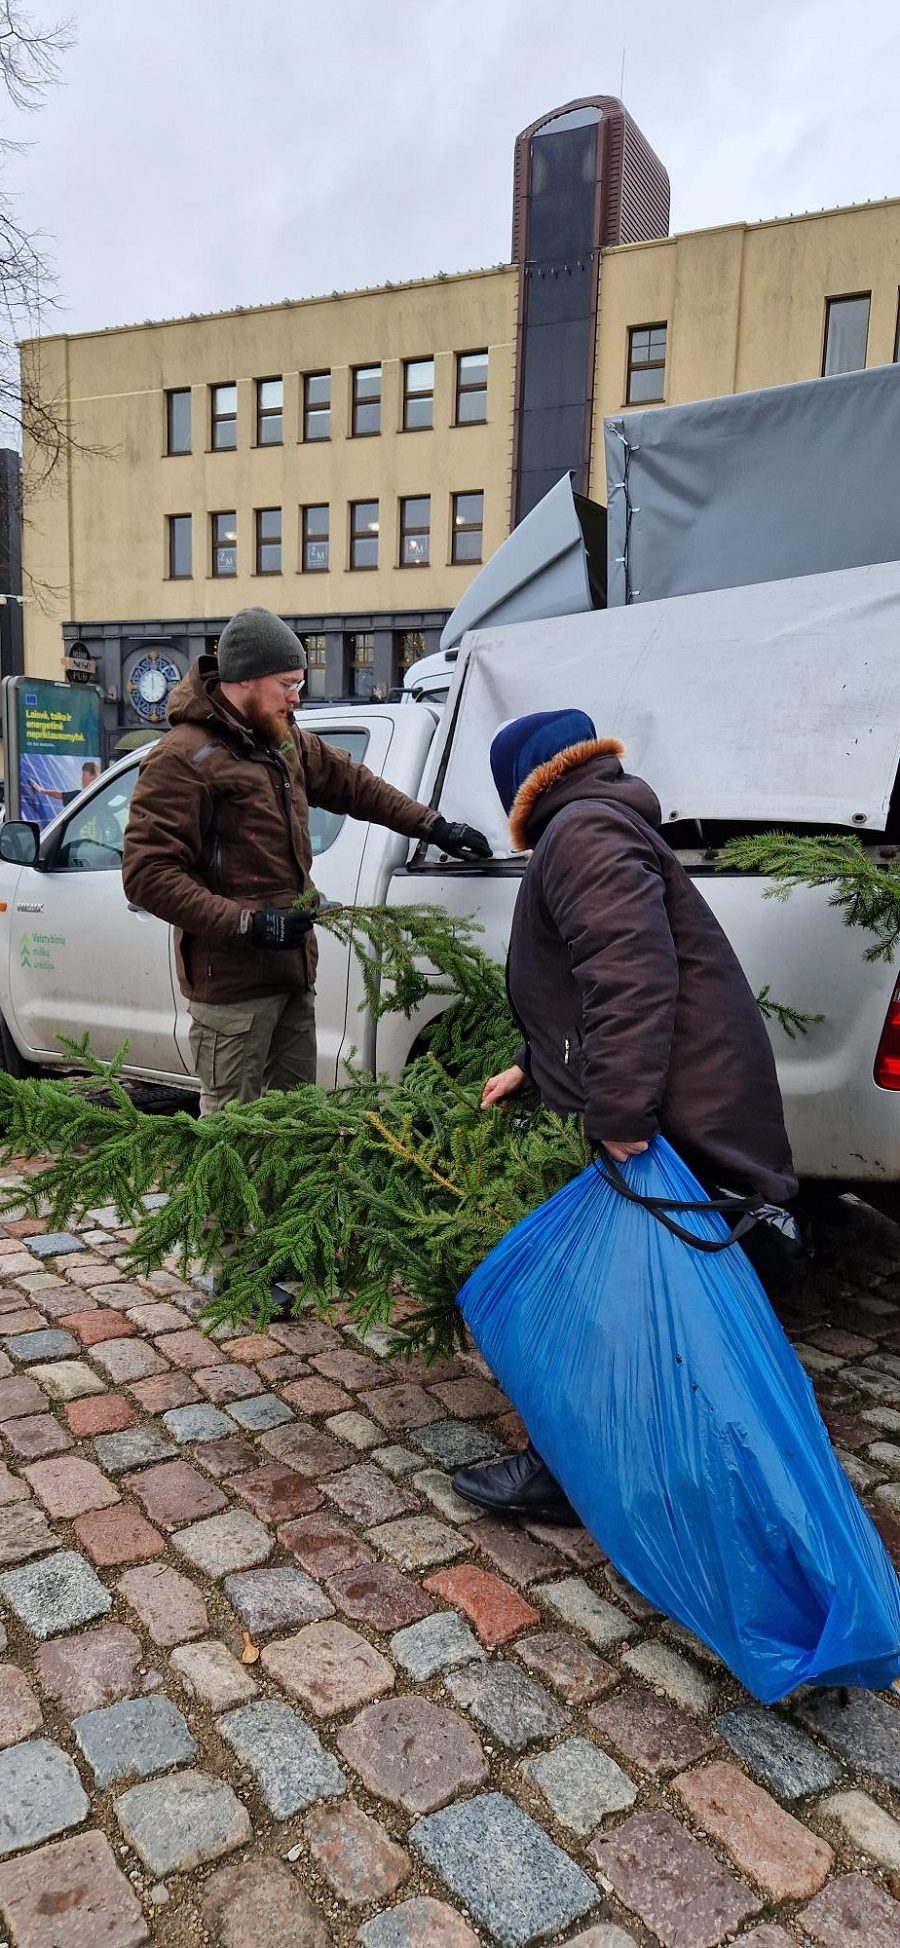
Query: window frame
<point x="312" y="540"/>
<point x="410" y="533"/>
<point x="265" y="414"/>
<point x="465" y="527"/>
<point x="633" y="366"/>
<point x="412" y="394"/>
<point x="462" y="388"/>
<point x="363" y="535"/>
<point x="223" y="514"/>
<point x="173" y="574"/>
<point x="358" y="405"/>
<point x="172" y="393"/>
<point x="838" y="298"/>
<point x="354" y="662"/>
<point x="315" y="439"/>
<point x="262" y="541"/>
<point x="219" y="419"/>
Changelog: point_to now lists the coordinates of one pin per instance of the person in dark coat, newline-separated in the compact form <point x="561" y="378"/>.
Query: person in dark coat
<point x="635" y="1011"/>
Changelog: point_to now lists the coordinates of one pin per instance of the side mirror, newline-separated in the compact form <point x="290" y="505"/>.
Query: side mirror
<point x="20" y="842"/>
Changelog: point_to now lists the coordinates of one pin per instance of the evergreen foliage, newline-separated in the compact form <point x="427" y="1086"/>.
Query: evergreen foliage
<point x="866" y="891"/>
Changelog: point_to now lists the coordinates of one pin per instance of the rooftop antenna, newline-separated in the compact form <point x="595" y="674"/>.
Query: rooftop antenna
<point x="622" y="77"/>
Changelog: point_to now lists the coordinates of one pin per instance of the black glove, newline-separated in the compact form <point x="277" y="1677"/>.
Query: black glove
<point x="462" y="841"/>
<point x="273" y="929"/>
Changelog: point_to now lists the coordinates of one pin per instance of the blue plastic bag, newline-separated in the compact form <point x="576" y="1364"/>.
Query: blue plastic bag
<point x="659" y="1387"/>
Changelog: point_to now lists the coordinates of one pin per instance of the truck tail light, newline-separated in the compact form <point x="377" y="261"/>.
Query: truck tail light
<point x="887" y="1061"/>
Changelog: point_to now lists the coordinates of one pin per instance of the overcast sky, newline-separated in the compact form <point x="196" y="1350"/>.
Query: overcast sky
<point x="200" y="154"/>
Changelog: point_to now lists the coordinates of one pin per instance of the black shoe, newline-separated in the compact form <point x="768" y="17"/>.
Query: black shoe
<point x="281" y="1302"/>
<point x="520" y="1484"/>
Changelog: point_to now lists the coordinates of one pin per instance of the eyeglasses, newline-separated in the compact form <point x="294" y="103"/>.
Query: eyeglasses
<point x="298" y="683"/>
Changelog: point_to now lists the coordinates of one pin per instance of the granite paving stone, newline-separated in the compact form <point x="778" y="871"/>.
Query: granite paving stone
<point x="157" y="1316"/>
<point x="399" y="1461"/>
<point x="276" y="1493"/>
<point x="222" y="1543"/>
<point x="253" y="1347"/>
<point x="12" y="1487"/>
<point x="566" y="1663"/>
<point x="575" y="1544"/>
<point x="127" y="1359"/>
<point x="224" y="1458"/>
<point x="308" y="1449"/>
<point x="303" y="1336"/>
<point x="273" y="1599"/>
<point x="439" y="1491"/>
<point x="315" y="1395"/>
<point x="91" y="1668"/>
<point x="649" y="1732"/>
<point x="200" y="1422"/>
<point x="413" y="1753"/>
<point x="779" y="1755"/>
<point x="68" y="1380"/>
<point x="55" y="1244"/>
<point x="576" y="1603"/>
<point x="71" y="1894"/>
<point x="181" y="1821"/>
<point x="453" y="1444"/>
<point x="169" y="1605"/>
<point x="262" y="1902"/>
<point x="163" y="1391"/>
<point x="209" y="1671"/>
<point x="230" y="1381"/>
<point x="40" y="1795"/>
<point x="357" y="1429"/>
<point x="174" y="1493"/>
<point x="419" y="1923"/>
<point x="852" y="1912"/>
<point x="36" y="1436"/>
<point x="436" y="1643"/>
<point x="114" y="1536"/>
<point x="377" y="1594"/>
<point x="505" y="1870"/>
<point x="133" y="1447"/>
<point x="329" y="1667"/>
<point x="658" y="1664"/>
<point x="402" y="1405"/>
<point x="96" y="1324"/>
<point x="513" y="1552"/>
<point x="581" y="1784"/>
<point x="68" y="1486"/>
<point x="419" y="1541"/>
<point x="325" y="1548"/>
<point x="366" y="1494"/>
<point x="289" y="1763"/>
<point x="132" y="1739"/>
<point x="358" y="1858"/>
<point x="20" y="1713"/>
<point x="865" y="1731"/>
<point x="51" y="1344"/>
<point x="673" y="1882"/>
<point x="470" y="1399"/>
<point x="497" y="1612"/>
<point x="24" y="1532"/>
<point x="866" y="1825"/>
<point x="262" y="1411"/>
<point x="189" y="1348"/>
<point x="56" y="1594"/>
<point x="103" y="1413"/>
<point x="769" y="1845"/>
<point x="512" y="1706"/>
<point x="608" y="1934"/>
<point x="25" y="1320"/>
<point x="19" y="1396"/>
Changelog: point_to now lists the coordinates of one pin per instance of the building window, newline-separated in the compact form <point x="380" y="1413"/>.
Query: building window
<point x="646" y="379"/>
<point x="223" y="424"/>
<point x="179" y="547"/>
<point x="471" y="387"/>
<point x="317" y="405"/>
<point x="366" y="399"/>
<point x="224" y="544"/>
<point x="268" y="541"/>
<point x="468" y="527"/>
<point x="269" y="412"/>
<point x="415" y="531"/>
<point x="314" y="539"/>
<point x="418" y="394"/>
<point x="846" y="333"/>
<point x="361" y="663"/>
<point x="178" y="421"/>
<point x="409" y="645"/>
<point x="316" y="669"/>
<point x="364" y="534"/>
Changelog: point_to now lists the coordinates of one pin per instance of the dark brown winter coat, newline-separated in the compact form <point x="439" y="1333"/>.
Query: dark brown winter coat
<point x="219" y="826"/>
<point x="635" y="1008"/>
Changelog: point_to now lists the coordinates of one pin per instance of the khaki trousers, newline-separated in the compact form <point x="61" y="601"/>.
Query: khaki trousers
<point x="242" y="1048"/>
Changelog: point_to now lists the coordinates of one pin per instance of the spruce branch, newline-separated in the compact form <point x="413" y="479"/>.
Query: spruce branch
<point x="866" y="892"/>
<point x="788" y="1018"/>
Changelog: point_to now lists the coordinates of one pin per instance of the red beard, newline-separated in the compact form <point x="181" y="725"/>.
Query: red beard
<point x="273" y="725"/>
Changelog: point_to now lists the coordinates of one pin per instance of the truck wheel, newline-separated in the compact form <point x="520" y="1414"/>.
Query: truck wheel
<point x="11" y="1061"/>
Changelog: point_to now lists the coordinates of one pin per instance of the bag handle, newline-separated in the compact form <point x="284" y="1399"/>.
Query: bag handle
<point x="658" y="1207"/>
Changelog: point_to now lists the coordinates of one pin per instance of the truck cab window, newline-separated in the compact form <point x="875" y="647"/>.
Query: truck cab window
<point x="325" y="826"/>
<point x="93" y="838"/>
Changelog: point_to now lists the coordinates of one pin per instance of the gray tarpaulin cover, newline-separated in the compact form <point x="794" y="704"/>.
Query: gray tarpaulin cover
<point x="775" y="702"/>
<point x="795" y="480"/>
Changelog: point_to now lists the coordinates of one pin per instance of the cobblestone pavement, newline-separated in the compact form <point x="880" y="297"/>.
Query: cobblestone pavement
<point x="450" y="1730"/>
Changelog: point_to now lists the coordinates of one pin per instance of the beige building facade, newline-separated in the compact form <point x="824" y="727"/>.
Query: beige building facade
<point x="349" y="461"/>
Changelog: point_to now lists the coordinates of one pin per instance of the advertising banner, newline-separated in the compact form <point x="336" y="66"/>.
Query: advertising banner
<point x="53" y="741"/>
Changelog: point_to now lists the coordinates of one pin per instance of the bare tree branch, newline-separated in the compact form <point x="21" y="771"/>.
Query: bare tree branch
<point x="30" y="55"/>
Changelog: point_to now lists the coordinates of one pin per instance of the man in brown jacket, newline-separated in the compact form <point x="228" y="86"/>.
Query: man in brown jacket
<point x="217" y="844"/>
<point x="635" y="1010"/>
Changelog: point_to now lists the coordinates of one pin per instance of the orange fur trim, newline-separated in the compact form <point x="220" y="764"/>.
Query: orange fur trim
<point x="548" y="774"/>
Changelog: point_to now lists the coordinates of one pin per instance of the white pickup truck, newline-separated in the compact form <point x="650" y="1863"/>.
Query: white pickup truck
<point x="745" y="708"/>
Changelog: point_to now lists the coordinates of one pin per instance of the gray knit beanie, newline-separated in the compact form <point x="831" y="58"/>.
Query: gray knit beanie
<point x="257" y="643"/>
